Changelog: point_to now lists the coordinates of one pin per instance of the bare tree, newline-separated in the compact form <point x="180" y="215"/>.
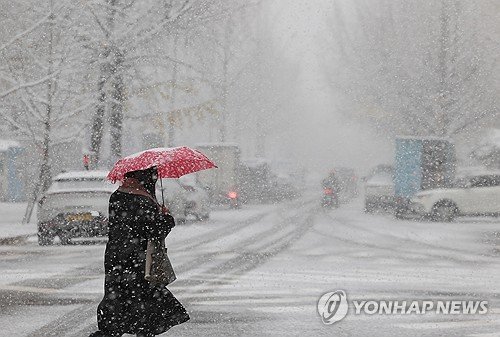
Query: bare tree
<point x="44" y="91"/>
<point x="129" y="38"/>
<point x="414" y="68"/>
<point x="230" y="45"/>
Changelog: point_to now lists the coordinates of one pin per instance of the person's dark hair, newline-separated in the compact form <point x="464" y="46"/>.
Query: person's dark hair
<point x="146" y="178"/>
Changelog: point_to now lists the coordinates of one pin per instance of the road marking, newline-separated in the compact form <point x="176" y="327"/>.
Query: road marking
<point x="29" y="289"/>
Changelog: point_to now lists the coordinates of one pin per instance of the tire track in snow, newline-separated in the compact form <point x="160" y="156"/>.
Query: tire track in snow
<point x="212" y="235"/>
<point x="403" y="243"/>
<point x="239" y="264"/>
<point x="246" y="261"/>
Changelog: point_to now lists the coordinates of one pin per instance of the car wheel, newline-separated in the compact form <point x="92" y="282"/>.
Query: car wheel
<point x="444" y="211"/>
<point x="65" y="238"/>
<point x="401" y="213"/>
<point x="45" y="239"/>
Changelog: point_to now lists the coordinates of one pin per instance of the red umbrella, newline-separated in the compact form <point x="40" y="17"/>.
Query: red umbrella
<point x="171" y="162"/>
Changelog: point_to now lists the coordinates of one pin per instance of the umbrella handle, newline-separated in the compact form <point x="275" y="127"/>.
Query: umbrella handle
<point x="162" y="198"/>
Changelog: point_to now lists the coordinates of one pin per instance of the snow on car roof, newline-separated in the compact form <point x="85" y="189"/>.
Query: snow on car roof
<point x="74" y="175"/>
<point x="6" y="144"/>
<point x="107" y="189"/>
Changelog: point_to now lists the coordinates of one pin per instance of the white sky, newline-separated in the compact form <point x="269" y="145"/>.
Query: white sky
<point x="326" y="138"/>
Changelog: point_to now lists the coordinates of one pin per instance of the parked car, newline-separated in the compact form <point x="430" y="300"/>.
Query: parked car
<point x="287" y="187"/>
<point x="175" y="198"/>
<point x="197" y="201"/>
<point x="258" y="183"/>
<point x="471" y="195"/>
<point x="75" y="205"/>
<point x="348" y="182"/>
<point x="225" y="179"/>
<point x="379" y="188"/>
<point x="184" y="197"/>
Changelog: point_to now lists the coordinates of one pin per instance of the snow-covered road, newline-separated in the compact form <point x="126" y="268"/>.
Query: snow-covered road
<point x="260" y="271"/>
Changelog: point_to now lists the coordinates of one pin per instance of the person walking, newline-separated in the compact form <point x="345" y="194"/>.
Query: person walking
<point x="131" y="304"/>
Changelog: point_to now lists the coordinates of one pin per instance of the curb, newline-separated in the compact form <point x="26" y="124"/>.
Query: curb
<point x="15" y="240"/>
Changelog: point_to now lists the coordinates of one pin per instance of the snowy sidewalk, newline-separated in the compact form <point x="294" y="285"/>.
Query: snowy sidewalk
<point x="11" y="227"/>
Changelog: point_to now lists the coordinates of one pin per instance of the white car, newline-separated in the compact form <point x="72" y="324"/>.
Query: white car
<point x="174" y="197"/>
<point x="75" y="205"/>
<point x="184" y="197"/>
<point x="379" y="189"/>
<point x="472" y="195"/>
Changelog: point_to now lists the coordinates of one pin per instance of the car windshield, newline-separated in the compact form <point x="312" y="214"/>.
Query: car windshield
<point x="485" y="181"/>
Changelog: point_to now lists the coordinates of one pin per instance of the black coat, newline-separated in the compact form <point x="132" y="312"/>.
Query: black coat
<point x="131" y="304"/>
